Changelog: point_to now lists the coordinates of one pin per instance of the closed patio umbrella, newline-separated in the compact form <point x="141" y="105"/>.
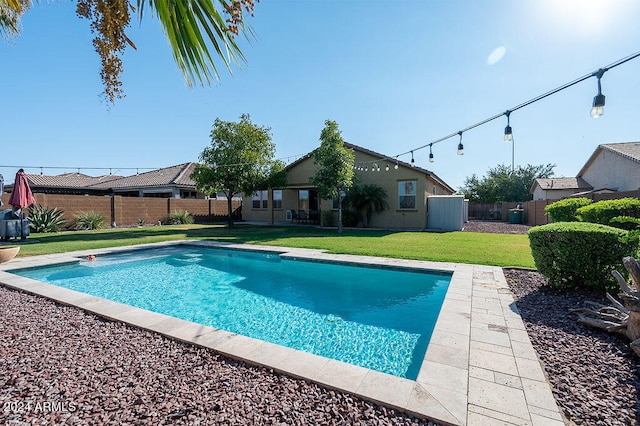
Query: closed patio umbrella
<point x="21" y="196"/>
<point x="1" y="188"/>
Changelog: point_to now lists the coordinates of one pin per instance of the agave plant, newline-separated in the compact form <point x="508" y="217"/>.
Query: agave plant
<point x="87" y="221"/>
<point x="44" y="219"/>
<point x="179" y="217"/>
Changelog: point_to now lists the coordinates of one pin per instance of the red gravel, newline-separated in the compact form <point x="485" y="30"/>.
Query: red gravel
<point x="495" y="227"/>
<point x="593" y="374"/>
<point x="59" y="365"/>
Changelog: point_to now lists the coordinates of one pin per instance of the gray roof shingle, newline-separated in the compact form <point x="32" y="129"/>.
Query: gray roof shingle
<point x="563" y="183"/>
<point x="178" y="175"/>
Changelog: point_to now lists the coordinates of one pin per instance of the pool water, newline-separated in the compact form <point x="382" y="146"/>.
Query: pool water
<point x="376" y="318"/>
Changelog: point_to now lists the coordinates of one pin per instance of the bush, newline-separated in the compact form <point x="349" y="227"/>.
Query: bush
<point x="349" y="218"/>
<point x="574" y="254"/>
<point x="626" y="222"/>
<point x="326" y="218"/>
<point x="179" y="217"/>
<point x="565" y="210"/>
<point x="604" y="211"/>
<point x="44" y="219"/>
<point x="87" y="221"/>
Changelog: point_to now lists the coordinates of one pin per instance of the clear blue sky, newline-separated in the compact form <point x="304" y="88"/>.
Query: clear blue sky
<point x="394" y="74"/>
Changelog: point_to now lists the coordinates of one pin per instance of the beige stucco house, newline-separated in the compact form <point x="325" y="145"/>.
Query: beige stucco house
<point x="407" y="191"/>
<point x="613" y="167"/>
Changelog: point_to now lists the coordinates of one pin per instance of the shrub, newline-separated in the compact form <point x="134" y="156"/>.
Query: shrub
<point x="326" y="218"/>
<point x="565" y="210"/>
<point x="87" y="221"/>
<point x="142" y="221"/>
<point x="573" y="254"/>
<point x="604" y="211"/>
<point x="626" y="222"/>
<point x="44" y="219"/>
<point x="349" y="218"/>
<point x="179" y="217"/>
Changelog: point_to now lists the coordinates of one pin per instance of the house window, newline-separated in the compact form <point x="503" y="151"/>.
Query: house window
<point x="336" y="203"/>
<point x="407" y="195"/>
<point x="277" y="198"/>
<point x="259" y="199"/>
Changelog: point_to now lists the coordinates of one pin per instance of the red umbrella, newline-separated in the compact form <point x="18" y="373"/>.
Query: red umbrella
<point x="21" y="195"/>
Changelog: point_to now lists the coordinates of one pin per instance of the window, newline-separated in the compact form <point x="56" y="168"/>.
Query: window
<point x="407" y="195"/>
<point x="336" y="203"/>
<point x="277" y="198"/>
<point x="259" y="199"/>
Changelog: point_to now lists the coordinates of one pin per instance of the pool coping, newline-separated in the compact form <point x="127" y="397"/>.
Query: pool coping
<point x="480" y="366"/>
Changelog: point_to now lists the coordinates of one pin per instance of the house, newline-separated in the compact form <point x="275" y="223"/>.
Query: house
<point x="557" y="188"/>
<point x="168" y="182"/>
<point x="613" y="167"/>
<point x="407" y="191"/>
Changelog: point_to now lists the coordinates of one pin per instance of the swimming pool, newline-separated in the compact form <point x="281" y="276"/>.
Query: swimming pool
<point x="378" y="318"/>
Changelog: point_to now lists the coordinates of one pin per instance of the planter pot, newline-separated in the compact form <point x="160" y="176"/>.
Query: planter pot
<point x="8" y="253"/>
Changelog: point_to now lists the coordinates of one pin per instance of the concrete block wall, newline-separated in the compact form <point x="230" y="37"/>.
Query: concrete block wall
<point x="128" y="210"/>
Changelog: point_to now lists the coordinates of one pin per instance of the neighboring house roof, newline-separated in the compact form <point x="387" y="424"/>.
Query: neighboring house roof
<point x="68" y="180"/>
<point x="628" y="150"/>
<point x="178" y="175"/>
<point x="564" y="183"/>
<point x="382" y="158"/>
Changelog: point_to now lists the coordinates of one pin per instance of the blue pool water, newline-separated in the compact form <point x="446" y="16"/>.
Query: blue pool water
<point x="377" y="318"/>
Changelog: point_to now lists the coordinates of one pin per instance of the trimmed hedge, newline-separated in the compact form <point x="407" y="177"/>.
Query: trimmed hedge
<point x="580" y="254"/>
<point x="603" y="211"/>
<point x="565" y="210"/>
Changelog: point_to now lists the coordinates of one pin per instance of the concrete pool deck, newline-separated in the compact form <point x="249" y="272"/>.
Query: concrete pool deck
<point x="479" y="369"/>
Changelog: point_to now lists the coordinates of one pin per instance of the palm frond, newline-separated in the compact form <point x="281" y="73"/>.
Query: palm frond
<point x="195" y="29"/>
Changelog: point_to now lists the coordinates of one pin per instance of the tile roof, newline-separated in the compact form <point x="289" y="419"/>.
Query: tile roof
<point x="178" y="175"/>
<point x="68" y="180"/>
<point x="562" y="183"/>
<point x="629" y="150"/>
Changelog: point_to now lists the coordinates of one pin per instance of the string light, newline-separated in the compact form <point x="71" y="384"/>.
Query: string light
<point x="460" y="146"/>
<point x="508" y="133"/>
<point x="413" y="162"/>
<point x="598" y="101"/>
<point x="431" y="160"/>
<point x="386" y="169"/>
<point x="597" y="109"/>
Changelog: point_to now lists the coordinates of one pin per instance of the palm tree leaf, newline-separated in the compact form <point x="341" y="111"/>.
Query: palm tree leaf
<point x="195" y="28"/>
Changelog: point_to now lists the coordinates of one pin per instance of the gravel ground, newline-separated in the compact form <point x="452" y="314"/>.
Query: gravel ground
<point x="495" y="227"/>
<point x="59" y="365"/>
<point x="594" y="375"/>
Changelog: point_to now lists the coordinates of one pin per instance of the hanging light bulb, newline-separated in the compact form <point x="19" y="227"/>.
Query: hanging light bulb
<point x="431" y="160"/>
<point x="396" y="166"/>
<point x="598" y="101"/>
<point x="40" y="171"/>
<point x="413" y="162"/>
<point x="508" y="133"/>
<point x="460" y="146"/>
<point x="386" y="169"/>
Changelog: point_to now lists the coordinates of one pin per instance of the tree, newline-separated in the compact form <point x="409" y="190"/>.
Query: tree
<point x="193" y="28"/>
<point x="503" y="184"/>
<point x="369" y="198"/>
<point x="239" y="160"/>
<point x="335" y="161"/>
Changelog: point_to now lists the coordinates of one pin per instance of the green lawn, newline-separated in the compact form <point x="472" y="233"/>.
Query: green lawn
<point x="459" y="247"/>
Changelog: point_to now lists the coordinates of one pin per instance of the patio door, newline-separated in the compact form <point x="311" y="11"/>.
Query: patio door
<point x="307" y="200"/>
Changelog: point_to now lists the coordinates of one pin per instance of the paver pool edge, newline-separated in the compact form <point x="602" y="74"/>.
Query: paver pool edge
<point x="479" y="368"/>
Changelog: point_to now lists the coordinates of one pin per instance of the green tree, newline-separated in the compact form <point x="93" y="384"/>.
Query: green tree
<point x="503" y="184"/>
<point x="239" y="160"/>
<point x="368" y="198"/>
<point x="335" y="172"/>
<point x="194" y="28"/>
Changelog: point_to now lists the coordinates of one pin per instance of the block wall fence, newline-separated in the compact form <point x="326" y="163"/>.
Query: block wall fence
<point x="534" y="213"/>
<point x="126" y="211"/>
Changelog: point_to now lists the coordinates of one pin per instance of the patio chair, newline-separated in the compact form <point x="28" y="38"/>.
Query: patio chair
<point x="302" y="216"/>
<point x="294" y="217"/>
<point x="313" y="216"/>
